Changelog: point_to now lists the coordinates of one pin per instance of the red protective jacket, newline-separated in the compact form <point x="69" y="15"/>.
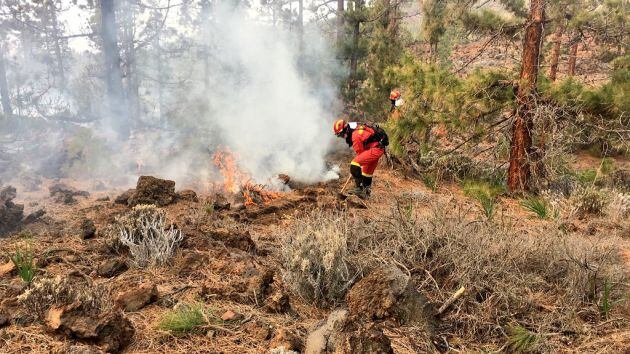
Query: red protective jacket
<point x="359" y="136"/>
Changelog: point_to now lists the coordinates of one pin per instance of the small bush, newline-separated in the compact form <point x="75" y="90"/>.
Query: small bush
<point x="521" y="339"/>
<point x="46" y="292"/>
<point x="315" y="257"/>
<point x="484" y="194"/>
<point x="24" y="263"/>
<point x="144" y="232"/>
<point x="591" y="200"/>
<point x="537" y="206"/>
<point x="184" y="319"/>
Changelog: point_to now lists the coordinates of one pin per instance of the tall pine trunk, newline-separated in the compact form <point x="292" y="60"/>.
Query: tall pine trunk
<point x="51" y="17"/>
<point x="118" y="109"/>
<point x="340" y="21"/>
<point x="555" y="52"/>
<point x="354" y="57"/>
<point x="519" y="173"/>
<point x="573" y="57"/>
<point x="4" y="88"/>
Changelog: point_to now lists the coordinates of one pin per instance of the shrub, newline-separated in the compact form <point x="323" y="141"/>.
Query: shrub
<point x="46" y="292"/>
<point x="315" y="257"/>
<point x="184" y="319"/>
<point x="521" y="339"/>
<point x="144" y="232"/>
<point x="537" y="206"/>
<point x="484" y="194"/>
<point x="591" y="200"/>
<point x="24" y="263"/>
<point x="504" y="269"/>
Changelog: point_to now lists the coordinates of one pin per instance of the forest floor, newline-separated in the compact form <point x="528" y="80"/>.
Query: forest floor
<point x="224" y="260"/>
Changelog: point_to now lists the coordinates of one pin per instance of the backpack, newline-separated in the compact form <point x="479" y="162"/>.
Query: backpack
<point x="379" y="136"/>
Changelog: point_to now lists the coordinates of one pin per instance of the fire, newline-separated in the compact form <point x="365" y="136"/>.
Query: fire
<point x="233" y="177"/>
<point x="236" y="181"/>
<point x="255" y="194"/>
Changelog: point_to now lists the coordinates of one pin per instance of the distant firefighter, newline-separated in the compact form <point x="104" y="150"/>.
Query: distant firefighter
<point x="396" y="99"/>
<point x="369" y="142"/>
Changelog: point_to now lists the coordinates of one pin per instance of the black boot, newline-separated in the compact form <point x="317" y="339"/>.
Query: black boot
<point x="358" y="180"/>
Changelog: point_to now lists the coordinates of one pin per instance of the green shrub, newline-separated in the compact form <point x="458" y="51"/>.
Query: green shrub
<point x="184" y="319"/>
<point x="521" y="340"/>
<point x="485" y="194"/>
<point x="25" y="263"/>
<point x="537" y="206"/>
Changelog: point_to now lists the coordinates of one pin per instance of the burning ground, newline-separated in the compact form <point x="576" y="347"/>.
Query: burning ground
<point x="256" y="269"/>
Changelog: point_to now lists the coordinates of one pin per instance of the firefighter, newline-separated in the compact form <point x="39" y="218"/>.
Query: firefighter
<point x="369" y="142"/>
<point x="393" y="97"/>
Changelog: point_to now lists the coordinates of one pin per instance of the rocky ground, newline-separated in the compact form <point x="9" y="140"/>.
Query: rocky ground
<point x="228" y="260"/>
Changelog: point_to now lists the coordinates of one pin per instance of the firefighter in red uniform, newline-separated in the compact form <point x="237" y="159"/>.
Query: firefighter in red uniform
<point x="369" y="143"/>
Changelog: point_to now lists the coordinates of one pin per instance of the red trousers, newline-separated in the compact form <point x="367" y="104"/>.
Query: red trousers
<point x="368" y="160"/>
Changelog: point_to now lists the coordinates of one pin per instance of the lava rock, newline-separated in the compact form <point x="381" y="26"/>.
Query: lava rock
<point x="278" y="302"/>
<point x="235" y="239"/>
<point x="188" y="194"/>
<point x="34" y="216"/>
<point x="388" y="293"/>
<point x="88" y="230"/>
<point x="10" y="213"/>
<point x="65" y="194"/>
<point x="192" y="262"/>
<point x="220" y="203"/>
<point x="111" y="267"/>
<point x="135" y="299"/>
<point x="151" y="190"/>
<point x="124" y="198"/>
<point x="110" y="330"/>
<point x="287" y="340"/>
<point x="339" y="334"/>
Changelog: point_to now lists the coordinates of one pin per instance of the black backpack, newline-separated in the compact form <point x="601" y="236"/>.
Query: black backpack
<point x="379" y="136"/>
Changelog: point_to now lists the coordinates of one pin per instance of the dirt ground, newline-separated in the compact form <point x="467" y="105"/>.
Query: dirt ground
<point x="212" y="266"/>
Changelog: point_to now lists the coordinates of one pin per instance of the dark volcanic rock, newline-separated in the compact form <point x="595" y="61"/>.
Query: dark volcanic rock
<point x="151" y="190"/>
<point x="88" y="230"/>
<point x="135" y="299"/>
<point x="34" y="216"/>
<point x="10" y="213"/>
<point x="111" y="330"/>
<point x="111" y="267"/>
<point x="65" y="194"/>
<point x="188" y="194"/>
<point x="124" y="198"/>
<point x="388" y="293"/>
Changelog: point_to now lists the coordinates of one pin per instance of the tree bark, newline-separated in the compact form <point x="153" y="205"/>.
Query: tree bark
<point x="57" y="48"/>
<point x="519" y="172"/>
<point x="573" y="57"/>
<point x="131" y="64"/>
<point x="555" y="52"/>
<point x="300" y="33"/>
<point x="355" y="49"/>
<point x="118" y="109"/>
<point x="4" y="88"/>
<point x="340" y="21"/>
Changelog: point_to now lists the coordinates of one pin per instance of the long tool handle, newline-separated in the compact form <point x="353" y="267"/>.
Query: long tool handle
<point x="345" y="184"/>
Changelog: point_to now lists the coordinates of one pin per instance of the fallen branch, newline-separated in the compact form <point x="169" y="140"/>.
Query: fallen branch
<point x="451" y="300"/>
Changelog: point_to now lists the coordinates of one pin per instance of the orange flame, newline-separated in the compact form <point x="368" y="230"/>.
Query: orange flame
<point x="235" y="180"/>
<point x="225" y="160"/>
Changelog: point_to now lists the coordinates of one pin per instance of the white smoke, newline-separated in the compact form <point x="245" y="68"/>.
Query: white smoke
<point x="263" y="106"/>
<point x="264" y="99"/>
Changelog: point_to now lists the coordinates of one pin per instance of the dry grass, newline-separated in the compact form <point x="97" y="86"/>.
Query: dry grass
<point x="315" y="257"/>
<point x="539" y="279"/>
<point x="546" y="283"/>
